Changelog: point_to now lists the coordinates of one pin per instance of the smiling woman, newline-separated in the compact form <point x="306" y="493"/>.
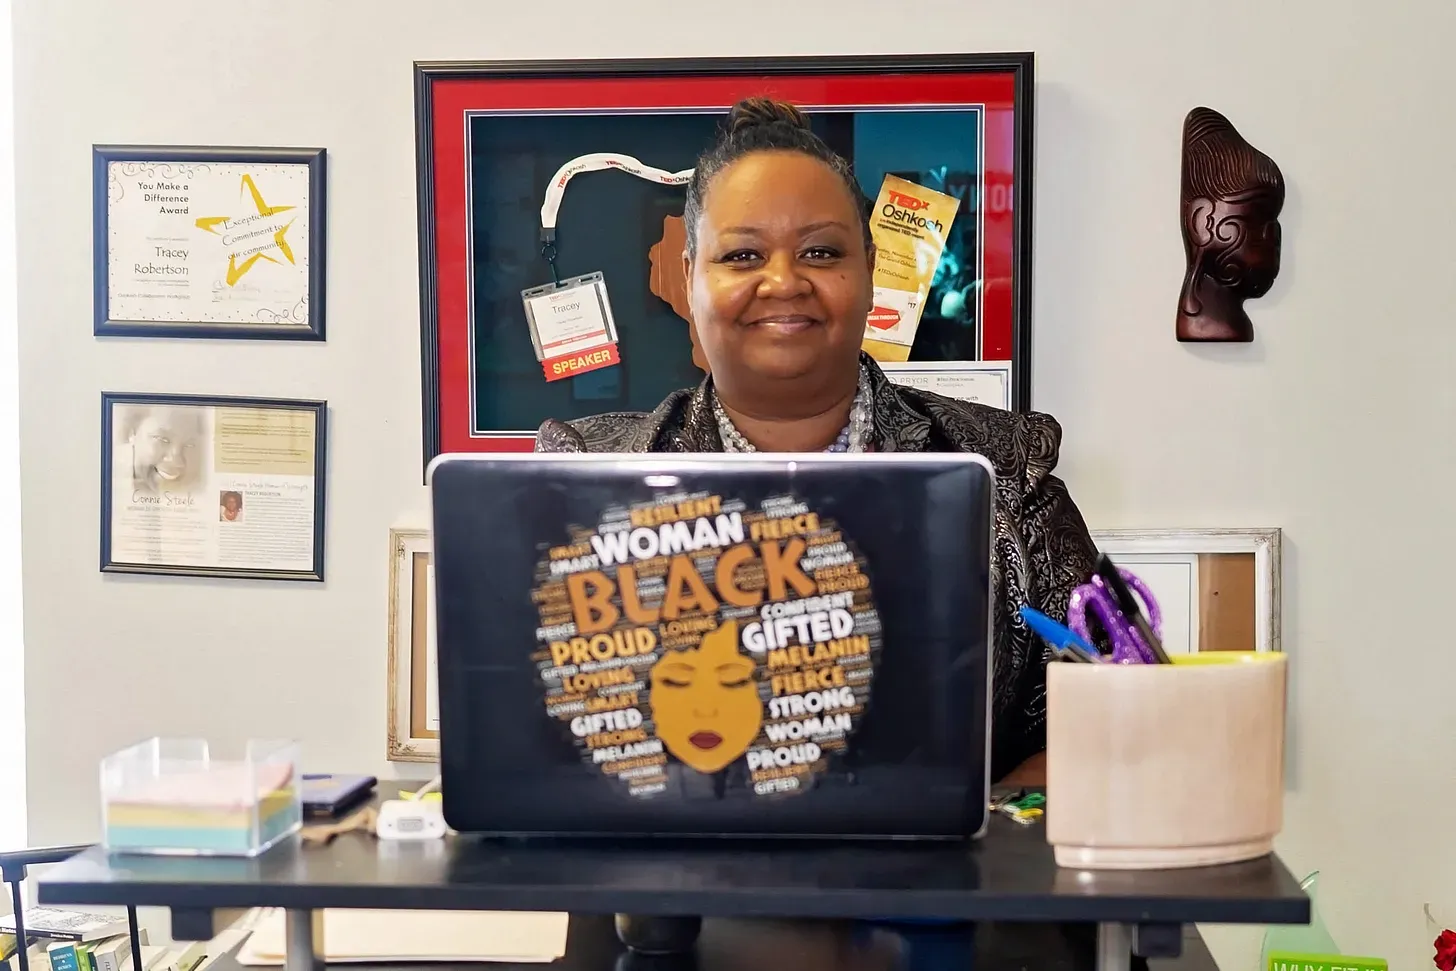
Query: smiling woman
<point x="779" y="265"/>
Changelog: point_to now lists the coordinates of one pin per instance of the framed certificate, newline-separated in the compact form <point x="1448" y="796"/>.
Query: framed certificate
<point x="217" y="487"/>
<point x="496" y="141"/>
<point x="209" y="242"/>
<point x="981" y="382"/>
<point x="414" y="706"/>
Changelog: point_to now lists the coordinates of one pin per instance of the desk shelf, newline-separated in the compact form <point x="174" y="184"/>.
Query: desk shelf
<point x="1008" y="876"/>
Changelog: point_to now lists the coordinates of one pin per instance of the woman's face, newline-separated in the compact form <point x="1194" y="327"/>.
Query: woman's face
<point x="705" y="703"/>
<point x="781" y="283"/>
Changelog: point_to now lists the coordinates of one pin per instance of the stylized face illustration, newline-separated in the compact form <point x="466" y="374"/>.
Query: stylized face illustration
<point x="705" y="701"/>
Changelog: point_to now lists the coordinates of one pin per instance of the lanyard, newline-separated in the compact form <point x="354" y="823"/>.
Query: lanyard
<point x="594" y="162"/>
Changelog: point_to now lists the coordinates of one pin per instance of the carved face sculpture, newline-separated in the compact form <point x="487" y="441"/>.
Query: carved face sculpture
<point x="705" y="702"/>
<point x="1232" y="197"/>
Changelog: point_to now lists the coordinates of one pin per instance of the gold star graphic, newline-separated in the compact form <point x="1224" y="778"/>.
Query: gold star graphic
<point x="234" y="271"/>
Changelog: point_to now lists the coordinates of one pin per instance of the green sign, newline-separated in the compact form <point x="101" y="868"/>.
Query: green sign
<point x="1287" y="961"/>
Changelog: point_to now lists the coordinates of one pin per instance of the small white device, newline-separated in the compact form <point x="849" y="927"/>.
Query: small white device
<point x="410" y="819"/>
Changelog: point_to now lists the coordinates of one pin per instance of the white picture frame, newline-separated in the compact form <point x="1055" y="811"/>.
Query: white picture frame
<point x="1174" y="556"/>
<point x="413" y="717"/>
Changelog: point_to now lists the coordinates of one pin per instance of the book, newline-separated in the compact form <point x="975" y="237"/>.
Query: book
<point x="35" y="956"/>
<point x="326" y="794"/>
<point x="113" y="953"/>
<point x="185" y="956"/>
<point x="417" y="936"/>
<point x="65" y="925"/>
<point x="63" y="956"/>
<point x="47" y="954"/>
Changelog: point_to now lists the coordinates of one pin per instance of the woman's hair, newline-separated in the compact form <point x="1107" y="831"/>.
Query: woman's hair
<point x="765" y="125"/>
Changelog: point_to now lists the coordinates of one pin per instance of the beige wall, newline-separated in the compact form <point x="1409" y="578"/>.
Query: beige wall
<point x="1336" y="424"/>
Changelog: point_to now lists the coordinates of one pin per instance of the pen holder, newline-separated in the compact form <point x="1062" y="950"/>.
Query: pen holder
<point x="1153" y="766"/>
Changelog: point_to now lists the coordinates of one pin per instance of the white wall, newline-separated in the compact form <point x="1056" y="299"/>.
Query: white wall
<point x="12" y="647"/>
<point x="1335" y="423"/>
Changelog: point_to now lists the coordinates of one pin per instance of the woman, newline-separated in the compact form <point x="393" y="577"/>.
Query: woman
<point x="779" y="261"/>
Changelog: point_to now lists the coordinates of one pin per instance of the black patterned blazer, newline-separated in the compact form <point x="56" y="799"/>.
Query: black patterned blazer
<point x="1042" y="547"/>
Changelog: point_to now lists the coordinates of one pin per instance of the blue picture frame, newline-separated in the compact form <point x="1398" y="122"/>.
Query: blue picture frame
<point x="315" y="161"/>
<point x="110" y="400"/>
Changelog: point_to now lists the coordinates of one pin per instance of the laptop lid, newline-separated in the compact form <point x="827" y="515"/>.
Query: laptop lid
<point x="714" y="645"/>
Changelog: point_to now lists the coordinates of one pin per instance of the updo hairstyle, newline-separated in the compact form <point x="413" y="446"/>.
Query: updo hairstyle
<point x="765" y="125"/>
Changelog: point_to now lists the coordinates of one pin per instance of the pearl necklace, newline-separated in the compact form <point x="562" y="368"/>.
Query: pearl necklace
<point x="851" y="438"/>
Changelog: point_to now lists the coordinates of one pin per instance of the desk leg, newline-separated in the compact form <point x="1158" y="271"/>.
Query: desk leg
<point x="1114" y="947"/>
<point x="304" y="950"/>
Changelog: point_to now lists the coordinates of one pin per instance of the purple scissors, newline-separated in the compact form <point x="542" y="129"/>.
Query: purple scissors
<point x="1127" y="644"/>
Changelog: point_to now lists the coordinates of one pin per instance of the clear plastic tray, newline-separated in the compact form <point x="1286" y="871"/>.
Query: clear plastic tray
<point x="171" y="796"/>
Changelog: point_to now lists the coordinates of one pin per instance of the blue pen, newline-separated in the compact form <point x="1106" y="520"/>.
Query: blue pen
<point x="1063" y="639"/>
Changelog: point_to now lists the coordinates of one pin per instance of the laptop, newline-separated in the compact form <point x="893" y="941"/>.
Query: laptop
<point x="760" y="645"/>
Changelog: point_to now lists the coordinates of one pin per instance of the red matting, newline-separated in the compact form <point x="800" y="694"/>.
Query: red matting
<point x="453" y="98"/>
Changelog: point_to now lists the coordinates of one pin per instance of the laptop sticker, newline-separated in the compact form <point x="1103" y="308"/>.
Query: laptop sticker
<point x="706" y="635"/>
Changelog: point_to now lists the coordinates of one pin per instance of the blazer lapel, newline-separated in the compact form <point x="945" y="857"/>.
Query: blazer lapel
<point x="897" y="427"/>
<point x="682" y="423"/>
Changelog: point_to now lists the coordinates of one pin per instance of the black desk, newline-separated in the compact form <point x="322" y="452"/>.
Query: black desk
<point x="1008" y="876"/>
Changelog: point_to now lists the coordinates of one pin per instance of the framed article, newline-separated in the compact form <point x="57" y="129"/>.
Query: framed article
<point x="982" y="382"/>
<point x="216" y="487"/>
<point x="1219" y="589"/>
<point x="208" y="242"/>
<point x="414" y="708"/>
<point x="497" y="143"/>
